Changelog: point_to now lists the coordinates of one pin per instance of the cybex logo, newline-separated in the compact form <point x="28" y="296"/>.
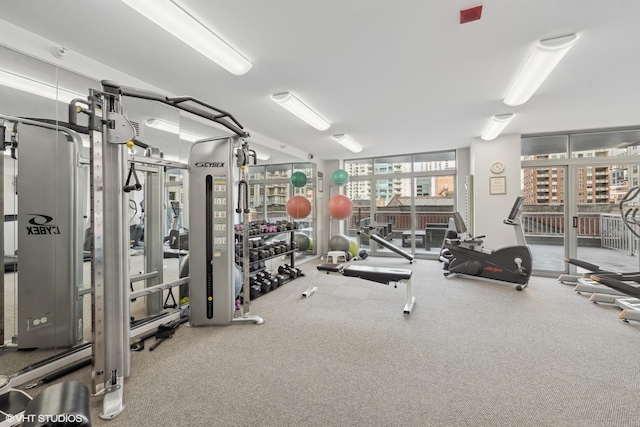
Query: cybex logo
<point x="42" y="225"/>
<point x="210" y="164"/>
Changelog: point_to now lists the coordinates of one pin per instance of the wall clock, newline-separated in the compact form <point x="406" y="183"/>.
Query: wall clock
<point x="497" y="167"/>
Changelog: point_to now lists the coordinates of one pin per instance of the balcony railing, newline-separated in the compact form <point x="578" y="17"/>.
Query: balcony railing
<point x="593" y="229"/>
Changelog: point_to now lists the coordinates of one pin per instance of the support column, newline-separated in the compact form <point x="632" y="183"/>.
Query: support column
<point x="110" y="130"/>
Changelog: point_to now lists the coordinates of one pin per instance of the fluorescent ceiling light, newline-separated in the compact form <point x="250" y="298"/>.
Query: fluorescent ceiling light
<point x="495" y="126"/>
<point x="173" y="128"/>
<point x="289" y="102"/>
<point x="541" y="62"/>
<point x="190" y="136"/>
<point x="163" y="125"/>
<point x="36" y="87"/>
<point x="175" y="20"/>
<point x="347" y="142"/>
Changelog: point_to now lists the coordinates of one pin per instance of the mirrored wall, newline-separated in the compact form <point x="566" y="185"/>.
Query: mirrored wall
<point x="45" y="292"/>
<point x="283" y="195"/>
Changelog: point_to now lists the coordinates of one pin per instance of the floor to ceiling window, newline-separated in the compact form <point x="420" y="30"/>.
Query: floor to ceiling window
<point x="407" y="200"/>
<point x="573" y="185"/>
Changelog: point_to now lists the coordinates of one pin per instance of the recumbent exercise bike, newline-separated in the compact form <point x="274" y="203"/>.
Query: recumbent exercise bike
<point x="467" y="255"/>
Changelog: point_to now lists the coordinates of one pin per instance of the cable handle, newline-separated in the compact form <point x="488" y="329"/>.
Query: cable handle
<point x="128" y="187"/>
<point x="243" y="185"/>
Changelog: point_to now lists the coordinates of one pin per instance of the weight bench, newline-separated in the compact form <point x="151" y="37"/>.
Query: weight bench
<point x="376" y="274"/>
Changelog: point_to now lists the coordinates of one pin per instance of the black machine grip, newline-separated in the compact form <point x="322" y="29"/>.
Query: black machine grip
<point x="208" y="112"/>
<point x="243" y="202"/>
<point x="128" y="187"/>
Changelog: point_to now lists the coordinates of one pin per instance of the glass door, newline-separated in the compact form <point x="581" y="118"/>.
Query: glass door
<point x="544" y="218"/>
<point x="574" y="185"/>
<point x="601" y="213"/>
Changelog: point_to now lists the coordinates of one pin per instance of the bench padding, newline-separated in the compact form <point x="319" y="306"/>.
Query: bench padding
<point x="68" y="400"/>
<point x="330" y="268"/>
<point x="374" y="274"/>
<point x="377" y="274"/>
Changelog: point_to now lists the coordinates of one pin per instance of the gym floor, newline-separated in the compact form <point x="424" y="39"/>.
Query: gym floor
<point x="472" y="353"/>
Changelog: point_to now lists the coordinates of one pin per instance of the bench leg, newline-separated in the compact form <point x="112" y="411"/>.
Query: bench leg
<point x="310" y="291"/>
<point x="411" y="300"/>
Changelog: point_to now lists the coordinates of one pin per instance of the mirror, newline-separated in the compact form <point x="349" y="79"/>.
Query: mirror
<point x="156" y="219"/>
<point x="44" y="306"/>
<point x="158" y="214"/>
<point x="282" y="195"/>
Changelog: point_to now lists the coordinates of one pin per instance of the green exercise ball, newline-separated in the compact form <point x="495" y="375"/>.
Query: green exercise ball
<point x="340" y="177"/>
<point x="298" y="179"/>
<point x="353" y="248"/>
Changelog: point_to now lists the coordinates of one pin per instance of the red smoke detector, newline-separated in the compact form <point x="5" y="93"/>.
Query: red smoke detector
<point x="471" y="14"/>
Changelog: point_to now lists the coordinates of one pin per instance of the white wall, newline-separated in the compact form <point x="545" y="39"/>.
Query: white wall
<point x="491" y="209"/>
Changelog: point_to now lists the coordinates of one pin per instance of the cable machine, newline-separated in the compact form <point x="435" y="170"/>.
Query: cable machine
<point x="212" y="280"/>
<point x="212" y="271"/>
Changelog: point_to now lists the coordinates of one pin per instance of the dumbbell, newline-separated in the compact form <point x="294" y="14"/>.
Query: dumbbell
<point x="255" y="291"/>
<point x="288" y="271"/>
<point x="265" y="285"/>
<point x="295" y="272"/>
<point x="275" y="281"/>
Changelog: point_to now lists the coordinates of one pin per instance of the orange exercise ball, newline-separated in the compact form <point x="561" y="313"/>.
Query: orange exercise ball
<point x="298" y="207"/>
<point x="340" y="207"/>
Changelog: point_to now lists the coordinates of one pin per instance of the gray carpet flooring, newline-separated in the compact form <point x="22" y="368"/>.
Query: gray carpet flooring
<point x="472" y="353"/>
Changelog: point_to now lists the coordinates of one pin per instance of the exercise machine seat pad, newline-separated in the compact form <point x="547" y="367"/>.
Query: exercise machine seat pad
<point x="377" y="274"/>
<point x="330" y="268"/>
<point x="63" y="404"/>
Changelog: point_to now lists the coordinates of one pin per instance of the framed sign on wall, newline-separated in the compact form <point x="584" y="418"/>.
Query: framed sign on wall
<point x="498" y="185"/>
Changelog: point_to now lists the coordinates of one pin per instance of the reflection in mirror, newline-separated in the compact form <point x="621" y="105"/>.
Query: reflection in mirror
<point x="157" y="211"/>
<point x="283" y="195"/>
<point x="303" y="180"/>
<point x="45" y="305"/>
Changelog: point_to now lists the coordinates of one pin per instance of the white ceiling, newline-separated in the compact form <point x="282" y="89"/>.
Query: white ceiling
<point x="398" y="76"/>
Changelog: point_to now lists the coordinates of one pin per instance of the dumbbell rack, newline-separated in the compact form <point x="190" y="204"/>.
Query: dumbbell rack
<point x="244" y="259"/>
